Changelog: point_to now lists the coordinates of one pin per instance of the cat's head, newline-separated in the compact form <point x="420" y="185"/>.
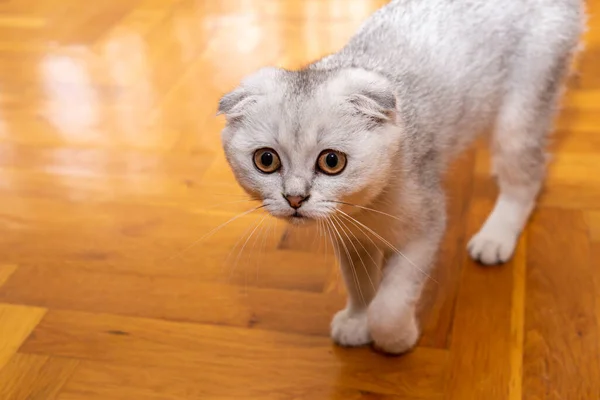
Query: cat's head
<point x="306" y="141"/>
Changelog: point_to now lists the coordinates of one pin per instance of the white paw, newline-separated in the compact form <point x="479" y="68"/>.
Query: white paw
<point x="492" y="247"/>
<point x="350" y="329"/>
<point x="393" y="335"/>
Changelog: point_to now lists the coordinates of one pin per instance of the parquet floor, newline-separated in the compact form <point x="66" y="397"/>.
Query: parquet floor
<point x="111" y="171"/>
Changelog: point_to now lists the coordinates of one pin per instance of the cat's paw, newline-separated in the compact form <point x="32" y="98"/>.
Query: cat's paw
<point x="350" y="329"/>
<point x="393" y="335"/>
<point x="492" y="246"/>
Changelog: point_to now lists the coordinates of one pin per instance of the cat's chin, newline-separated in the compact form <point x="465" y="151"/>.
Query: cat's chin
<point x="299" y="221"/>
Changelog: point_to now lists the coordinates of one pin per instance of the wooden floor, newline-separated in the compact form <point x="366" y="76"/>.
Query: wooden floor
<point x="111" y="174"/>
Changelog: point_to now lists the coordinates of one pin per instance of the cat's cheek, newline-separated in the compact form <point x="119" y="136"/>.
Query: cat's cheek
<point x="363" y="191"/>
<point x="249" y="182"/>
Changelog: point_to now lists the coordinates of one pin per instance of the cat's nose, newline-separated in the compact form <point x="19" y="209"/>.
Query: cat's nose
<point x="296" y="201"/>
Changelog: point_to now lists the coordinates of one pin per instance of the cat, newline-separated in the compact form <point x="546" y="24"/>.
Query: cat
<point x="359" y="141"/>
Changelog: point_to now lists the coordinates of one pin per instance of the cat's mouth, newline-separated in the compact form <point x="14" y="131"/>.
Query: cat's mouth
<point x="297" y="218"/>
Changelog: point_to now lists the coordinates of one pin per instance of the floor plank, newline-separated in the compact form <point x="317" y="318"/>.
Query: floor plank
<point x="5" y="272"/>
<point x="561" y="328"/>
<point x="481" y="336"/>
<point x="114" y="286"/>
<point x="16" y="324"/>
<point x="252" y="356"/>
<point x="439" y="298"/>
<point x="35" y="377"/>
<point x="173" y="299"/>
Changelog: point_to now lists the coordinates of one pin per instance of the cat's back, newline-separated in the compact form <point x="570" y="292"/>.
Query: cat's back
<point x="434" y="35"/>
<point x="453" y="60"/>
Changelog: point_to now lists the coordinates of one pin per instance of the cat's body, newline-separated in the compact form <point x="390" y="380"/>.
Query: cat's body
<point x="455" y="61"/>
<point x="414" y="86"/>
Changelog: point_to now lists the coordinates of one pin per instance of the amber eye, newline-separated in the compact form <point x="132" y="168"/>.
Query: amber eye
<point x="267" y="160"/>
<point x="331" y="162"/>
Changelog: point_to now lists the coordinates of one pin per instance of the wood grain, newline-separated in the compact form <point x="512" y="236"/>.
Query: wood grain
<point x="482" y="321"/>
<point x="5" y="272"/>
<point x="113" y="285"/>
<point x="561" y="327"/>
<point x="16" y="323"/>
<point x="35" y="377"/>
<point x="221" y="361"/>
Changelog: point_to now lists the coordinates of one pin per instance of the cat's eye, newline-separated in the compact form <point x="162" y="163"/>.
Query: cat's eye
<point x="267" y="160"/>
<point x="331" y="162"/>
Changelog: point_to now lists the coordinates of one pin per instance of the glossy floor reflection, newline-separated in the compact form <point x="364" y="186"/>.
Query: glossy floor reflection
<point x="112" y="174"/>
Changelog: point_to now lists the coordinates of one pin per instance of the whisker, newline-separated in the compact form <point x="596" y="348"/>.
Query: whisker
<point x="334" y="247"/>
<point x="244" y="246"/>
<point x="315" y="237"/>
<point x="213" y="231"/>
<point x="321" y="240"/>
<point x="230" y="202"/>
<point x="341" y="225"/>
<point x="378" y="236"/>
<point x="324" y="240"/>
<point x="361" y="244"/>
<point x="326" y="223"/>
<point x="366" y="234"/>
<point x="320" y="235"/>
<point x="216" y="194"/>
<point x="258" y="236"/>
<point x="252" y="250"/>
<point x="365" y="208"/>
<point x="238" y="242"/>
<point x="266" y="231"/>
<point x="354" y="273"/>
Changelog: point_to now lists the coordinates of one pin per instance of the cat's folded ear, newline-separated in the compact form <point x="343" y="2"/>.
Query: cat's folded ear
<point x="369" y="94"/>
<point x="235" y="103"/>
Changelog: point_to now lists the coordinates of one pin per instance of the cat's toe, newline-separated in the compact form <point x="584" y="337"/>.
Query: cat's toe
<point x="350" y="329"/>
<point x="492" y="248"/>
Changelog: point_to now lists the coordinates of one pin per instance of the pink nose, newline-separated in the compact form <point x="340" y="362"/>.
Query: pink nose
<point x="296" y="201"/>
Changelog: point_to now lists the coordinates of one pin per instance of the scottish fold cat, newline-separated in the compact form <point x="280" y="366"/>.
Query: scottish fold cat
<point x="358" y="141"/>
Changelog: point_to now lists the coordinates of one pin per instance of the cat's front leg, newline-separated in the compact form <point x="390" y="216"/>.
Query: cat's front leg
<point x="360" y="264"/>
<point x="391" y="316"/>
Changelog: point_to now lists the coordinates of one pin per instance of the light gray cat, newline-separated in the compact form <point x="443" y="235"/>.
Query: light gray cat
<point x="359" y="141"/>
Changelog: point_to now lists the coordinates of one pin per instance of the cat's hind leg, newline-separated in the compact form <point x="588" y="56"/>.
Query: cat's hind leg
<point x="518" y="152"/>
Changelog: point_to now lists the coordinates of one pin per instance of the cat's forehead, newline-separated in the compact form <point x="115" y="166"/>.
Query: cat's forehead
<point x="300" y="114"/>
<point x="305" y="82"/>
<point x="299" y="125"/>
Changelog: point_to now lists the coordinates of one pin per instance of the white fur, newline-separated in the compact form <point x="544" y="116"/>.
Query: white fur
<point x="417" y="83"/>
<point x="350" y="328"/>
<point x="496" y="241"/>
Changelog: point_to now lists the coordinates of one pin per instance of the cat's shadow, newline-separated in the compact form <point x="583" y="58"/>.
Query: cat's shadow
<point x="367" y="373"/>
